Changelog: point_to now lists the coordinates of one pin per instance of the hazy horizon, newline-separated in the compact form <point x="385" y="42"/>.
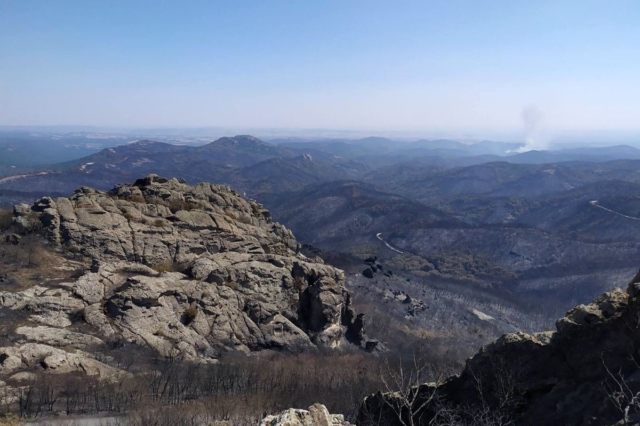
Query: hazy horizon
<point x="559" y="141"/>
<point x="527" y="71"/>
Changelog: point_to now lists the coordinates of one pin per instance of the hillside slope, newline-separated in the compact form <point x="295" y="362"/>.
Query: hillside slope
<point x="585" y="373"/>
<point x="214" y="162"/>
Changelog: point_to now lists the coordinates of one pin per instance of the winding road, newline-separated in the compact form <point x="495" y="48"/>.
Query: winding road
<point x="14" y="177"/>
<point x="387" y="244"/>
<point x="595" y="204"/>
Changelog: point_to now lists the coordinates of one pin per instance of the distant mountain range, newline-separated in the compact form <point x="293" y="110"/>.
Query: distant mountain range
<point x="521" y="222"/>
<point x="394" y="151"/>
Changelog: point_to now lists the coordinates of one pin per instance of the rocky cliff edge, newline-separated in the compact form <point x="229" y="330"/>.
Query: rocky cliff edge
<point x="189" y="271"/>
<point x="585" y="373"/>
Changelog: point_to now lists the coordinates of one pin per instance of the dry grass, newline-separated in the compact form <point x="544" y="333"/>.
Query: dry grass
<point x="10" y="420"/>
<point x="173" y="205"/>
<point x="163" y="267"/>
<point x="30" y="263"/>
<point x="178" y="205"/>
<point x="169" y="266"/>
<point x="152" y="199"/>
<point x="136" y="198"/>
<point x="232" y="285"/>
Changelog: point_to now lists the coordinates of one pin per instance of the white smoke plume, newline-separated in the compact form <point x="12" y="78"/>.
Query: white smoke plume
<point x="532" y="118"/>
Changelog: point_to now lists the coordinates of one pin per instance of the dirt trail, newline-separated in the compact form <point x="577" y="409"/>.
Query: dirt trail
<point x="595" y="204"/>
<point x="387" y="244"/>
<point x="14" y="177"/>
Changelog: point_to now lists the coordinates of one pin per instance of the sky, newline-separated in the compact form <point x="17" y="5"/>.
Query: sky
<point x="535" y="67"/>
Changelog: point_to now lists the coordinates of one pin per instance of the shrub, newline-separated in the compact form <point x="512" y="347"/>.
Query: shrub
<point x="136" y="198"/>
<point x="10" y="420"/>
<point x="158" y="223"/>
<point x="6" y="218"/>
<point x="177" y="205"/>
<point x="152" y="199"/>
<point x="35" y="224"/>
<point x="299" y="283"/>
<point x="190" y="314"/>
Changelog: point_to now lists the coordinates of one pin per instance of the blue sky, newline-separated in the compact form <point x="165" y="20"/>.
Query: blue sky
<point x="371" y="65"/>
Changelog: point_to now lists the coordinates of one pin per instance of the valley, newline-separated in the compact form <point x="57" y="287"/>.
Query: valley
<point x="451" y="249"/>
<point x="437" y="211"/>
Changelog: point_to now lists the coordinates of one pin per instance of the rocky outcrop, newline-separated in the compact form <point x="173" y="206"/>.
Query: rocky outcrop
<point x="585" y="373"/>
<point x="190" y="271"/>
<point x="316" y="415"/>
<point x="15" y="360"/>
<point x="157" y="221"/>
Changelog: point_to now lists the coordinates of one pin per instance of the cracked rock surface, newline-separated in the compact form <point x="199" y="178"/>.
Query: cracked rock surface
<point x="188" y="271"/>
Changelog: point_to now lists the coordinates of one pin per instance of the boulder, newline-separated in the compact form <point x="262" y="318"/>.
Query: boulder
<point x="368" y="273"/>
<point x="54" y="360"/>
<point x="316" y="415"/>
<point x="58" y="337"/>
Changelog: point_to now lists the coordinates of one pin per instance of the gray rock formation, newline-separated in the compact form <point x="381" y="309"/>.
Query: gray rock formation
<point x="585" y="373"/>
<point x="15" y="360"/>
<point x="188" y="271"/>
<point x="156" y="221"/>
<point x="316" y="415"/>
